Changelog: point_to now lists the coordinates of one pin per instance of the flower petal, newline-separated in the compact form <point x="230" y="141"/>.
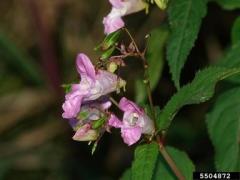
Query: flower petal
<point x="114" y="121"/>
<point x="71" y="107"/>
<point x="131" y="135"/>
<point x="117" y="3"/>
<point x="106" y="105"/>
<point x="108" y="81"/>
<point x="133" y="6"/>
<point x="112" y="22"/>
<point x="127" y="105"/>
<point x="85" y="66"/>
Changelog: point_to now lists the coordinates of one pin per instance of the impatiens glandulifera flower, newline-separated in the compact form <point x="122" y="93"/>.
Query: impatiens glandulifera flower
<point x="90" y="120"/>
<point x="113" y="21"/>
<point x="93" y="84"/>
<point x="135" y="122"/>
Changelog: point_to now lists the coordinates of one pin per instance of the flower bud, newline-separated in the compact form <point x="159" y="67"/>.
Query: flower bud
<point x="85" y="133"/>
<point x="121" y="84"/>
<point x="112" y="67"/>
<point x="162" y="4"/>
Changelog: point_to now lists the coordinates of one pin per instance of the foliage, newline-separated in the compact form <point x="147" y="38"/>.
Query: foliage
<point x="182" y="161"/>
<point x="235" y="35"/>
<point x="199" y="50"/>
<point x="229" y="5"/>
<point x="185" y="17"/>
<point x="149" y="164"/>
<point x="224" y="121"/>
<point x="198" y="91"/>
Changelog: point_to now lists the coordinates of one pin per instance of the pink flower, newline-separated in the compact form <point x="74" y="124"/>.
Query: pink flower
<point x="89" y="114"/>
<point x="135" y="122"/>
<point x="91" y="111"/>
<point x="93" y="85"/>
<point x="113" y="21"/>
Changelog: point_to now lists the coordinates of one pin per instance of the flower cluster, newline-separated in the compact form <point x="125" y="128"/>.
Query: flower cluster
<point x="87" y="106"/>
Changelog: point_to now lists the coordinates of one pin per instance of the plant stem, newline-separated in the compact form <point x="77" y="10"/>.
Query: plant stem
<point x="132" y="39"/>
<point x="146" y="74"/>
<point x="162" y="149"/>
<point x="114" y="102"/>
<point x="169" y="160"/>
<point x="148" y="87"/>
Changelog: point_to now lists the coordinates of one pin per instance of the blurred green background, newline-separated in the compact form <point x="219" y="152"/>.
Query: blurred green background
<point x="39" y="41"/>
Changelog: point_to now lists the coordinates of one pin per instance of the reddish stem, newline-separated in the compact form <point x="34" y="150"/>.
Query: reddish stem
<point x="48" y="53"/>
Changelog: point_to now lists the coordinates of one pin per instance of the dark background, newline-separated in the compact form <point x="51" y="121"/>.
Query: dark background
<point x="39" y="41"/>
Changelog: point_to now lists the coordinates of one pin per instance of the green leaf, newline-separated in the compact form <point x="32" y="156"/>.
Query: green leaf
<point x="229" y="4"/>
<point x="155" y="54"/>
<point x="140" y="91"/>
<point x="185" y="18"/>
<point x="18" y="60"/>
<point x="155" y="58"/>
<point x="235" y="34"/>
<point x="149" y="164"/>
<point x="127" y="175"/>
<point x="199" y="90"/>
<point x="145" y="158"/>
<point x="223" y="124"/>
<point x="181" y="160"/>
<point x="231" y="60"/>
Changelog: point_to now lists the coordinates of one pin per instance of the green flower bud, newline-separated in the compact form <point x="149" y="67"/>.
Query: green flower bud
<point x="162" y="4"/>
<point x="112" y="67"/>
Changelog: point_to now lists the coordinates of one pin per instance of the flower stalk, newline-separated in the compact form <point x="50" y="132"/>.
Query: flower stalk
<point x="146" y="81"/>
<point x="169" y="160"/>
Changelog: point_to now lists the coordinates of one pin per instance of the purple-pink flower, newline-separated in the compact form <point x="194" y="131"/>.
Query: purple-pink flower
<point x="93" y="84"/>
<point x="135" y="122"/>
<point x="113" y="21"/>
<point x="90" y="113"/>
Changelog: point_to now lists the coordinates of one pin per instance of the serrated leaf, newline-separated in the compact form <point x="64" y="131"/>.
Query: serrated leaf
<point x="235" y="34"/>
<point x="182" y="161"/>
<point x="229" y="4"/>
<point x="145" y="158"/>
<point x="223" y="124"/>
<point x="159" y="168"/>
<point x="185" y="17"/>
<point x="199" y="90"/>
<point x="155" y="58"/>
